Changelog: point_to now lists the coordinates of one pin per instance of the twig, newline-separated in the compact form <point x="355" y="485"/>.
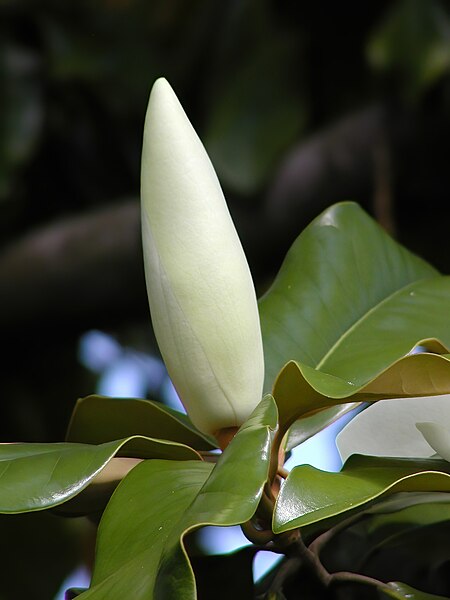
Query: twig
<point x="299" y="555"/>
<point x="282" y="472"/>
<point x="260" y="537"/>
<point x="348" y="577"/>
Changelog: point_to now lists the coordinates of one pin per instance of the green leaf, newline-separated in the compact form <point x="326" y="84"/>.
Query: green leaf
<point x="302" y="391"/>
<point x="411" y="528"/>
<point x="401" y="591"/>
<point x="98" y="419"/>
<point x="347" y="307"/>
<point x="405" y="500"/>
<point x="306" y="427"/>
<point x="140" y="551"/>
<point x="39" y="476"/>
<point x="310" y="495"/>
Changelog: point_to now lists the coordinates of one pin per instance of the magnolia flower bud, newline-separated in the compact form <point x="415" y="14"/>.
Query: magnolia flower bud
<point x="201" y="294"/>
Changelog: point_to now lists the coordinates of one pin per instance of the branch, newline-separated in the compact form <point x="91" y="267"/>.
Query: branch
<point x="334" y="165"/>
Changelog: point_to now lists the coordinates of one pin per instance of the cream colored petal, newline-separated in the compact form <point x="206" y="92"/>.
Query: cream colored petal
<point x="388" y="427"/>
<point x="437" y="436"/>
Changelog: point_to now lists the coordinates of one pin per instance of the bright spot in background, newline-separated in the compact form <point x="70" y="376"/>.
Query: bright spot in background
<point x="222" y="540"/>
<point x="320" y="450"/>
<point x="78" y="579"/>
<point x="124" y="372"/>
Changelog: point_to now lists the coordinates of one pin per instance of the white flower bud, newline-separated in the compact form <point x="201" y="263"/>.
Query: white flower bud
<point x="201" y="294"/>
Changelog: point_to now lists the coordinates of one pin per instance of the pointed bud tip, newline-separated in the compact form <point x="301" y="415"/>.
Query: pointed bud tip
<point x="162" y="92"/>
<point x="161" y="84"/>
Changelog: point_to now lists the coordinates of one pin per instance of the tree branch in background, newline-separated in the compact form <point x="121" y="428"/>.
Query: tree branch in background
<point x="73" y="269"/>
<point x="88" y="269"/>
<point x="334" y="165"/>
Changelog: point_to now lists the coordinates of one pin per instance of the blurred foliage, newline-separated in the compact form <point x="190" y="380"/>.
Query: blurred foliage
<point x="35" y="566"/>
<point x="254" y="76"/>
<point x="413" y="43"/>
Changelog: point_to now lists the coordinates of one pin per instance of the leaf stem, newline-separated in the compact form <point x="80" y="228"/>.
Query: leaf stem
<point x="349" y="577"/>
<point x="282" y="472"/>
<point x="260" y="537"/>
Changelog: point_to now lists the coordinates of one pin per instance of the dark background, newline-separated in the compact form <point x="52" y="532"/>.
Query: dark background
<point x="300" y="105"/>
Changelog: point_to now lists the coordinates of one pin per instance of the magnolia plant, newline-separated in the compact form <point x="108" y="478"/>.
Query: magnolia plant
<point x="352" y="320"/>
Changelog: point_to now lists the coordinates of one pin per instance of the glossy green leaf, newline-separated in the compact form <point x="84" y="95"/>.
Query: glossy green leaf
<point x="310" y="495"/>
<point x="39" y="476"/>
<point x="347" y="307"/>
<point x="401" y="591"/>
<point x="405" y="500"/>
<point x="98" y="419"/>
<point x="142" y="556"/>
<point x="300" y="390"/>
<point x="308" y="426"/>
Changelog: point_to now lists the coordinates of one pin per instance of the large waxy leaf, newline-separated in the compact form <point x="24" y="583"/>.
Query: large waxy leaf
<point x="310" y="495"/>
<point x="38" y="476"/>
<point x="142" y="556"/>
<point x="306" y="427"/>
<point x="347" y="306"/>
<point x="98" y="419"/>
<point x="401" y="591"/>
<point x="302" y="391"/>
<point x="409" y="528"/>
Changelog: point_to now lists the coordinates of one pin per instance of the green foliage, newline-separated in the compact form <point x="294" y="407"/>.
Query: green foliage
<point x="165" y="500"/>
<point x="400" y="591"/>
<point x="348" y="306"/>
<point x="310" y="495"/>
<point x="98" y="419"/>
<point x="339" y="324"/>
<point x="39" y="476"/>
